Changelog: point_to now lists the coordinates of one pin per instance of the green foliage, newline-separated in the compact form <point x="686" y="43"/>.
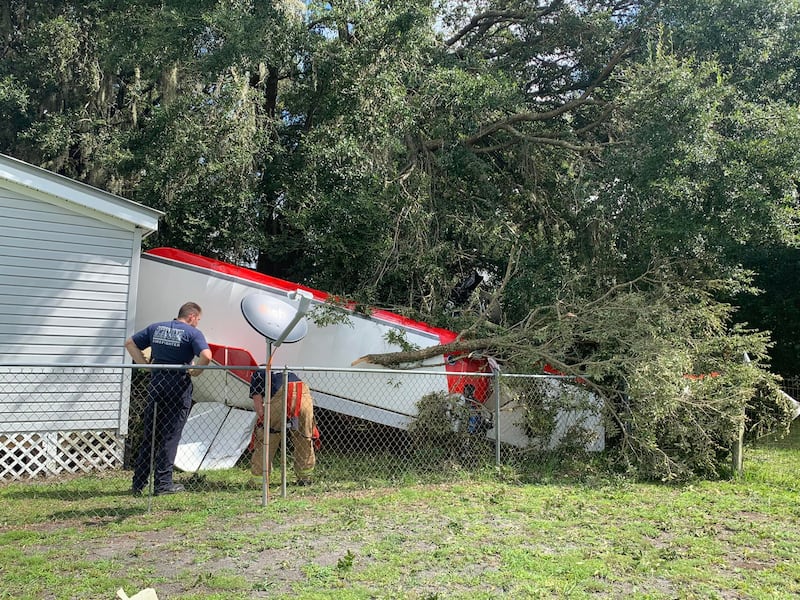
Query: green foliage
<point x="769" y="411"/>
<point x="330" y="313"/>
<point x="202" y="165"/>
<point x="669" y="367"/>
<point x="440" y="432"/>
<point x="13" y="95"/>
<point x="434" y="423"/>
<point x="756" y="41"/>
<point x="345" y="563"/>
<point x="558" y="418"/>
<point x="694" y="172"/>
<point x="398" y="338"/>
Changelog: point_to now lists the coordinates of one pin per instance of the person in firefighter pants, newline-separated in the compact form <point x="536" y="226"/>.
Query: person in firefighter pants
<point x="298" y="410"/>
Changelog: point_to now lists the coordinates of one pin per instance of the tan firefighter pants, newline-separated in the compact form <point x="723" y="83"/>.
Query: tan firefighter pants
<point x="301" y="428"/>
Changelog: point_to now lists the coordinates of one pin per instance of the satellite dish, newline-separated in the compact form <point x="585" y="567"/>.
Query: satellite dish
<point x="271" y="317"/>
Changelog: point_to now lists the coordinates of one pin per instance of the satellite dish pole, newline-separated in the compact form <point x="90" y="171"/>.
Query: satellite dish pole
<point x="279" y="321"/>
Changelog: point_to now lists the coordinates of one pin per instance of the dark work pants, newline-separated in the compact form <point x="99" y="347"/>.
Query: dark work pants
<point x="169" y="401"/>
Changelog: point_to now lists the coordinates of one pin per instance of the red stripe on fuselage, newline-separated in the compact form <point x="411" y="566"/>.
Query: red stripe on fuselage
<point x="455" y="381"/>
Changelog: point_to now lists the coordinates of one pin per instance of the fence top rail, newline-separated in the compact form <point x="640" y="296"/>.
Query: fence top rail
<point x="72" y="365"/>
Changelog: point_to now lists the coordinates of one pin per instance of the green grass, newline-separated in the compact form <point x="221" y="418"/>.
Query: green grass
<point x="447" y="536"/>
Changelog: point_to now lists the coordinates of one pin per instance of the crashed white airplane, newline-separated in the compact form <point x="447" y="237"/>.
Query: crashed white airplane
<point x="222" y="419"/>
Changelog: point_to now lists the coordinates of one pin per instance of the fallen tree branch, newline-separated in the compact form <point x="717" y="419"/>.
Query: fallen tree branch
<point x="395" y="359"/>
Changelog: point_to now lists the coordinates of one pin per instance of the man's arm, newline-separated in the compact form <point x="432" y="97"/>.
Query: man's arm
<point x="136" y="354"/>
<point x="201" y="361"/>
<point x="258" y="405"/>
<point x="257" y="390"/>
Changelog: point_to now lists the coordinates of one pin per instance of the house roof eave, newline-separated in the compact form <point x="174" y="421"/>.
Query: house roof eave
<point x="47" y="185"/>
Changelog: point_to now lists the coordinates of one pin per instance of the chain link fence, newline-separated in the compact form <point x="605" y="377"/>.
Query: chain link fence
<point x="370" y="427"/>
<point x="791" y="385"/>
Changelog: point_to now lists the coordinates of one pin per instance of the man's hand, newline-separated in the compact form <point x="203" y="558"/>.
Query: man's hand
<point x="136" y="354"/>
<point x="201" y="361"/>
<point x="258" y="405"/>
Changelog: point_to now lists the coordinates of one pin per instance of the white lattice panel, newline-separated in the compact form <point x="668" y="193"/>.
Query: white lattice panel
<point x="29" y="455"/>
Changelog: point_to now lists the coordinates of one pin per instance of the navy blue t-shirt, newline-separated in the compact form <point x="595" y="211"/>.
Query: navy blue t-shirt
<point x="171" y="342"/>
<point x="276" y="381"/>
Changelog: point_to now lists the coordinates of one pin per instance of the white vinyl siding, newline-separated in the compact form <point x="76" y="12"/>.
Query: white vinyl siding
<point x="64" y="284"/>
<point x="65" y="292"/>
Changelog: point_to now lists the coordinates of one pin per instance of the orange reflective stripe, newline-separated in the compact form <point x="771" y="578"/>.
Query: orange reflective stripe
<point x="293" y="397"/>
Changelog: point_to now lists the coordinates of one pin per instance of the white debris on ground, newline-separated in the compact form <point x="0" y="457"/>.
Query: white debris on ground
<point x="145" y="594"/>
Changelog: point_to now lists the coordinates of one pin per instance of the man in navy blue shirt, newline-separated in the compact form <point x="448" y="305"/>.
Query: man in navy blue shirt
<point x="298" y="409"/>
<point x="169" y="401"/>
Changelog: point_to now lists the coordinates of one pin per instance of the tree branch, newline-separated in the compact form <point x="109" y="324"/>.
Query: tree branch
<point x="544" y="140"/>
<point x="531" y="116"/>
<point x="395" y="359"/>
<point x="485" y="20"/>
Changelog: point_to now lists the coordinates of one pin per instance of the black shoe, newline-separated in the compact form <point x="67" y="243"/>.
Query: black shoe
<point x="304" y="481"/>
<point x="175" y="488"/>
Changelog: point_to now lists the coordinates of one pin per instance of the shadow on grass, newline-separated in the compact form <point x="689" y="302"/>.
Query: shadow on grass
<point x="100" y="517"/>
<point x="44" y="492"/>
<point x="790" y="441"/>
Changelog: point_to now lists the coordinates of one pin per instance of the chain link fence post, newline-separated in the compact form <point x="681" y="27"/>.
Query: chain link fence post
<point x="496" y="393"/>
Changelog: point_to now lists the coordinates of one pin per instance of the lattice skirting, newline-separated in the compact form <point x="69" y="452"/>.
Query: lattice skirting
<point x="29" y="455"/>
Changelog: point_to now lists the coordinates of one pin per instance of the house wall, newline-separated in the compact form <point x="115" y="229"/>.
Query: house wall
<point x="65" y="295"/>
